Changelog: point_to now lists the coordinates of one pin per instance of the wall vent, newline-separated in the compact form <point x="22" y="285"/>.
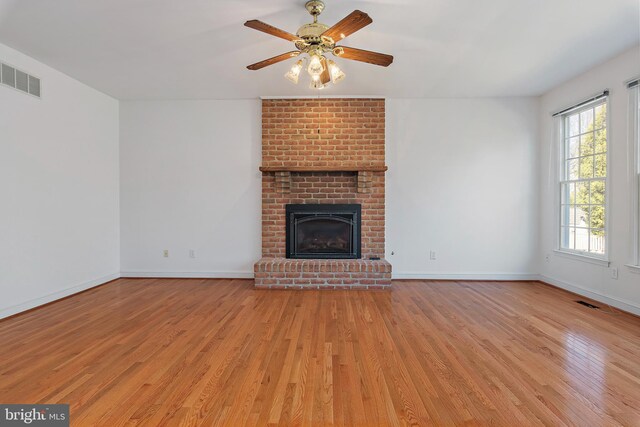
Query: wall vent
<point x="18" y="79"/>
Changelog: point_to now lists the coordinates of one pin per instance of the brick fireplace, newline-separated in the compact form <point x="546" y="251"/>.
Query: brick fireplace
<point x="323" y="151"/>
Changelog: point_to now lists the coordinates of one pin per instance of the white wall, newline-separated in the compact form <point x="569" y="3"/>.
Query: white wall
<point x="59" y="215"/>
<point x="462" y="182"/>
<point x="578" y="276"/>
<point x="190" y="181"/>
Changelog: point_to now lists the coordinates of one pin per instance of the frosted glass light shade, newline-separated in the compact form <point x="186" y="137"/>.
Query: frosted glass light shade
<point x="294" y="73"/>
<point x="337" y="75"/>
<point x="317" y="84"/>
<point x="315" y="66"/>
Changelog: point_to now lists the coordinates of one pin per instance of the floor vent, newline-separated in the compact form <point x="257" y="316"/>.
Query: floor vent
<point x="586" y="304"/>
<point x="17" y="79"/>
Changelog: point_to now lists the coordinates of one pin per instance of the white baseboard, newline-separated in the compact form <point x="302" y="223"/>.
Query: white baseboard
<point x="612" y="301"/>
<point x="10" y="311"/>
<point x="189" y="274"/>
<point x="466" y="276"/>
<point x="249" y="275"/>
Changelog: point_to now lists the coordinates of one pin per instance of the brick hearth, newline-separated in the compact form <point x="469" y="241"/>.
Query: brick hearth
<point x="323" y="151"/>
<point x="282" y="273"/>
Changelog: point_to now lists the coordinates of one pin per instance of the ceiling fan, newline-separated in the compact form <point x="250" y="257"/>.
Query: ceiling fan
<point x="315" y="39"/>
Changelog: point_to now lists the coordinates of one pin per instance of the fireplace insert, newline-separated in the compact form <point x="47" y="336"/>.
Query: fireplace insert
<point x="323" y="231"/>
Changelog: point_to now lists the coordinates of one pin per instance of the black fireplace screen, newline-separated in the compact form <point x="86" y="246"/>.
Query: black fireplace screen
<point x="323" y="231"/>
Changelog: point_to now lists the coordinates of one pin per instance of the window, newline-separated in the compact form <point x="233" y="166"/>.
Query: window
<point x="583" y="180"/>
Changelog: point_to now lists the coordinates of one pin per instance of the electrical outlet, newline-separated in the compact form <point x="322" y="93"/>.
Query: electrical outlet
<point x="165" y="253"/>
<point x="432" y="255"/>
<point x="192" y="253"/>
<point x="614" y="273"/>
<point x="547" y="258"/>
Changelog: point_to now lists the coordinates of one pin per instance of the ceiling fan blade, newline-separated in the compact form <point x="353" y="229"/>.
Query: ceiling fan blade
<point x="325" y="76"/>
<point x="269" y="29"/>
<point x="349" y="25"/>
<point x="374" y="58"/>
<point x="274" y="60"/>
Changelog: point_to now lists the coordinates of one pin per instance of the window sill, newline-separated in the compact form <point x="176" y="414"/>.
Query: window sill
<point x="634" y="268"/>
<point x="583" y="258"/>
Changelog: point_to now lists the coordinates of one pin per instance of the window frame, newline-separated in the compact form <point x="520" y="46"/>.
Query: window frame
<point x="563" y="157"/>
<point x="634" y="178"/>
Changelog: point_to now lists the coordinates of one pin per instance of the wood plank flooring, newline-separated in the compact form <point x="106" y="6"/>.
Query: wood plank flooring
<point x="217" y="352"/>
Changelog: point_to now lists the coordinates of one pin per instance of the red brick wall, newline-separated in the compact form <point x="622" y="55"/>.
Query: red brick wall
<point x="351" y="134"/>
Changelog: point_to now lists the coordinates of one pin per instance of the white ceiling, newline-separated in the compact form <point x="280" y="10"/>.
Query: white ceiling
<point x="183" y="49"/>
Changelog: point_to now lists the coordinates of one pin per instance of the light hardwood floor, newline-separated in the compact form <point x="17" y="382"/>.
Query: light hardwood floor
<point x="218" y="352"/>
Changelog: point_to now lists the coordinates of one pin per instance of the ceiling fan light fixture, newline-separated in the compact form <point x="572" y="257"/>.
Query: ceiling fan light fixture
<point x="315" y="66"/>
<point x="337" y="75"/>
<point x="294" y="73"/>
<point x="317" y="84"/>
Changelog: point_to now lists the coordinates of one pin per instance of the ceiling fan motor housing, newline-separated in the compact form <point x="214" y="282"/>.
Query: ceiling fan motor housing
<point x="311" y="34"/>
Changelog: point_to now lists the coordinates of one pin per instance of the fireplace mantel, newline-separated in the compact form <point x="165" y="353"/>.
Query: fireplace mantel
<point x="332" y="168"/>
<point x="283" y="174"/>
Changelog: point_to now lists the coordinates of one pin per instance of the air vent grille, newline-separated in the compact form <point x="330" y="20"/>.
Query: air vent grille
<point x="22" y="81"/>
<point x="17" y="79"/>
<point x="34" y="86"/>
<point x="8" y="75"/>
<point x="586" y="304"/>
